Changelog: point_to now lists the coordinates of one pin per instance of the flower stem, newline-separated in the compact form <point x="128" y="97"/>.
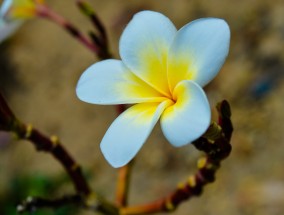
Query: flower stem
<point x="151" y="208"/>
<point x="124" y="173"/>
<point x="192" y="187"/>
<point x="123" y="183"/>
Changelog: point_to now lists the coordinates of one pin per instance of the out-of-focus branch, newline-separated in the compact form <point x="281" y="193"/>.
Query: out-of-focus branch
<point x="100" y="39"/>
<point x="45" y="12"/>
<point x="6" y="115"/>
<point x="43" y="143"/>
<point x="52" y="145"/>
<point x="33" y="203"/>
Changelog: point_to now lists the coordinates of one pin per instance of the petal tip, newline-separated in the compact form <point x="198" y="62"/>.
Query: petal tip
<point x="114" y="161"/>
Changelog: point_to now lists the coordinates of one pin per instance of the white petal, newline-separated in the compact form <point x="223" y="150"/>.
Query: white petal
<point x="129" y="132"/>
<point x="110" y="82"/>
<point x="8" y="28"/>
<point x="198" y="51"/>
<point x="144" y="47"/>
<point x="189" y="117"/>
<point x="5" y="7"/>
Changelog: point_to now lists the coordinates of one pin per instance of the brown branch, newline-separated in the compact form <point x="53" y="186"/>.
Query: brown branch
<point x="6" y="116"/>
<point x="224" y="111"/>
<point x="45" y="12"/>
<point x="55" y="148"/>
<point x="4" y="108"/>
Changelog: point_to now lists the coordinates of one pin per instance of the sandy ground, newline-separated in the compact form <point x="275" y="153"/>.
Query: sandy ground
<point x="40" y="67"/>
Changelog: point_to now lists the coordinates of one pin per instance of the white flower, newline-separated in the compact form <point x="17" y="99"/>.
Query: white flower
<point x="161" y="72"/>
<point x="19" y="9"/>
<point x="6" y="28"/>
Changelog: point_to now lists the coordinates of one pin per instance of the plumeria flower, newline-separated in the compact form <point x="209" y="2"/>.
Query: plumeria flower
<point x="162" y="73"/>
<point x="12" y="14"/>
<point x="19" y="9"/>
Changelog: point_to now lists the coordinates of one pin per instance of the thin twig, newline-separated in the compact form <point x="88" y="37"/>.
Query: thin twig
<point x="55" y="148"/>
<point x="90" y="13"/>
<point x="46" y="12"/>
<point x="53" y="145"/>
<point x="101" y="40"/>
<point x="43" y="143"/>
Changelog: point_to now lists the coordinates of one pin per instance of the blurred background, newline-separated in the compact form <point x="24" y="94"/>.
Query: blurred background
<point x="40" y="66"/>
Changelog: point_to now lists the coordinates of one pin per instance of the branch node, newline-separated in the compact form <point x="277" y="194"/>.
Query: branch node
<point x="91" y="201"/>
<point x="75" y="167"/>
<point x="29" y="130"/>
<point x="192" y="181"/>
<point x="201" y="163"/>
<point x="169" y="205"/>
<point x="213" y="132"/>
<point x="55" y="141"/>
<point x="181" y="186"/>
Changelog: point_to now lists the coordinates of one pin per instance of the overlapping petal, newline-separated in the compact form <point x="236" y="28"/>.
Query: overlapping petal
<point x="189" y="117"/>
<point x="129" y="132"/>
<point x="198" y="51"/>
<point x="110" y="82"/>
<point x="144" y="47"/>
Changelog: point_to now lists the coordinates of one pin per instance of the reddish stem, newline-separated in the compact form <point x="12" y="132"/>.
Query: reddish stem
<point x="45" y="12"/>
